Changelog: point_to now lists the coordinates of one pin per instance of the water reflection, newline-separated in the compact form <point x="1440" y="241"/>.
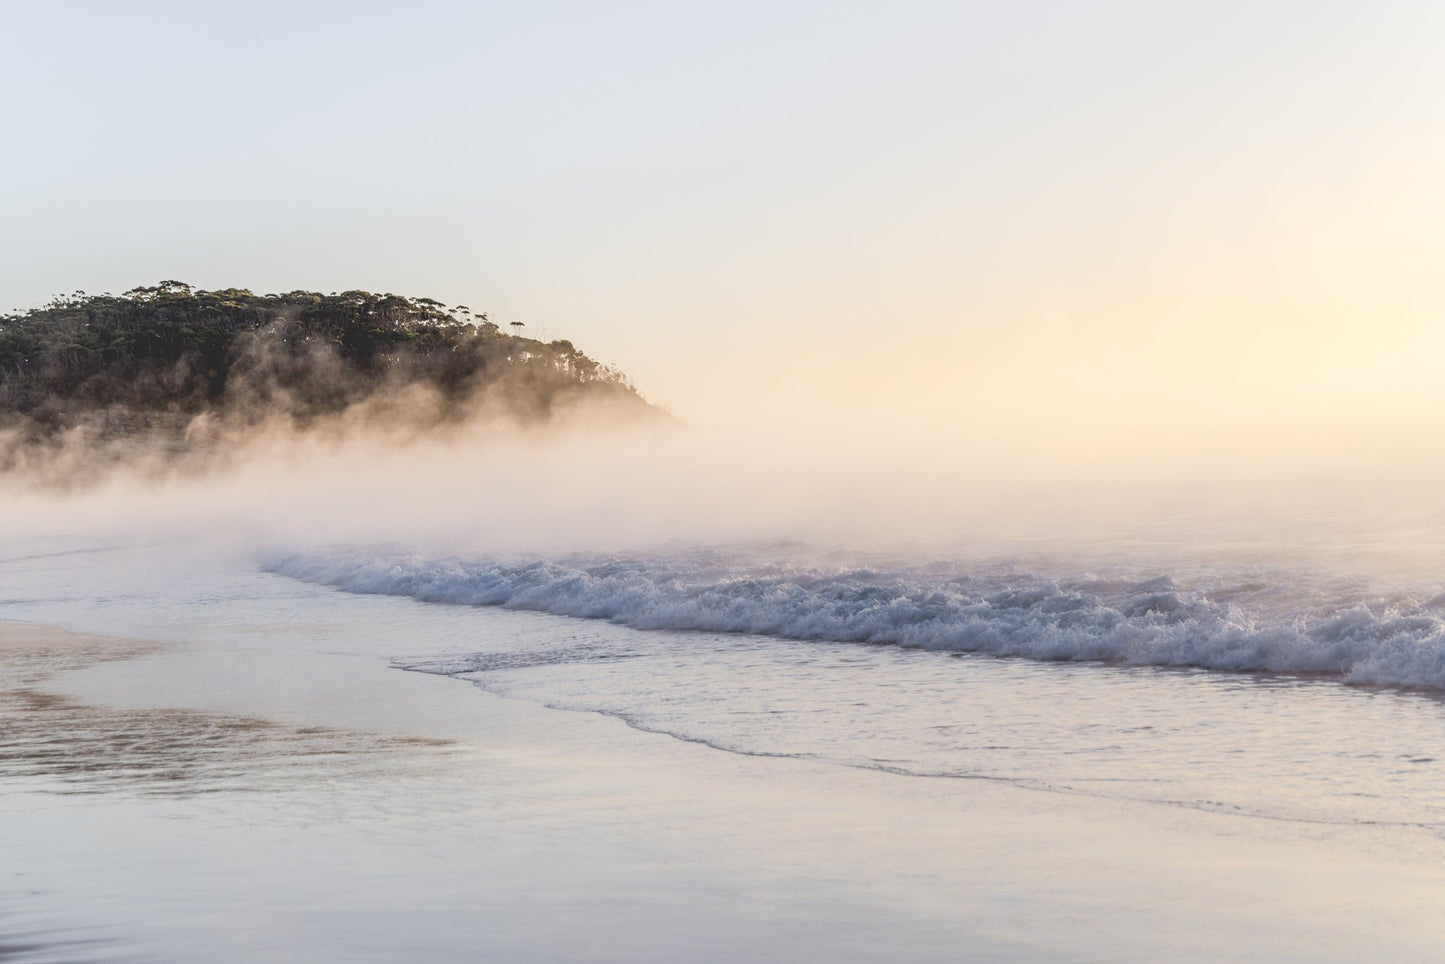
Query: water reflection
<point x="40" y="947"/>
<point x="94" y="749"/>
<point x="57" y="744"/>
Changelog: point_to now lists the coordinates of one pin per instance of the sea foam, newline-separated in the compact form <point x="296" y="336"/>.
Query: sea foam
<point x="1228" y="622"/>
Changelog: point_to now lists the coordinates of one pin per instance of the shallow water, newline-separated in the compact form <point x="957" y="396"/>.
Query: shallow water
<point x="875" y="668"/>
<point x="273" y="776"/>
<point x="1272" y="745"/>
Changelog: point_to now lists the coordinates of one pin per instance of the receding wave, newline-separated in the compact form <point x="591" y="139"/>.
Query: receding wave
<point x="1231" y="621"/>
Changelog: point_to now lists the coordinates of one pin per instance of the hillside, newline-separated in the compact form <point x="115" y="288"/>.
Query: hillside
<point x="173" y="368"/>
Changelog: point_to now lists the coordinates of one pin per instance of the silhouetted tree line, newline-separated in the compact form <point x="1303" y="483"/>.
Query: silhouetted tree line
<point x="154" y="358"/>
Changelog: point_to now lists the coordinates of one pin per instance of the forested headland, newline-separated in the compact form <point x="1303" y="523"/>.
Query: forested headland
<point x="170" y="368"/>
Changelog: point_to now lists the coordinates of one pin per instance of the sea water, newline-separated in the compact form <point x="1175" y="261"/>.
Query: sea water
<point x="1276" y="695"/>
<point x="1284" y="694"/>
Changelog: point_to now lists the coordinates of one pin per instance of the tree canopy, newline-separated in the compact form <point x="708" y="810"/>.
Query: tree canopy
<point x="151" y="360"/>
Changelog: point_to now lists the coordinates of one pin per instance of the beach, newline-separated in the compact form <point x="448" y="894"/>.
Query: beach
<point x="250" y="788"/>
<point x="804" y="483"/>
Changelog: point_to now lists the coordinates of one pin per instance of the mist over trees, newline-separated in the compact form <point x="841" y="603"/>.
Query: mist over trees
<point x="172" y="368"/>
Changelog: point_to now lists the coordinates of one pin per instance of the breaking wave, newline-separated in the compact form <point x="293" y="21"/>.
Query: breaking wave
<point x="1230" y="621"/>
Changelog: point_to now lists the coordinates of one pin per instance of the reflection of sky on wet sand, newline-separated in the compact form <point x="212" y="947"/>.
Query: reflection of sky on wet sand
<point x="539" y="836"/>
<point x="81" y="748"/>
<point x="90" y="749"/>
<point x="53" y="744"/>
<point x="45" y="947"/>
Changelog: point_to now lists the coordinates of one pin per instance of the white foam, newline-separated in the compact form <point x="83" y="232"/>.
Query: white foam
<point x="1219" y="625"/>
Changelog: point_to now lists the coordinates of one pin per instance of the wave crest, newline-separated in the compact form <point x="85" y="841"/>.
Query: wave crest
<point x="1233" y="625"/>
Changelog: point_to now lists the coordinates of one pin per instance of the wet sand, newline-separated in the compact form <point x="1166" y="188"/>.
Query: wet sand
<point x="82" y="747"/>
<point x="189" y="802"/>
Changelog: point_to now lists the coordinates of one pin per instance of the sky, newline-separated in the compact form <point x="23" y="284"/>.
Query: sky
<point x="1091" y="227"/>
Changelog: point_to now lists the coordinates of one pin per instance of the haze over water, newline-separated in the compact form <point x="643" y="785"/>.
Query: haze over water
<point x="1108" y="226"/>
<point x="1046" y="542"/>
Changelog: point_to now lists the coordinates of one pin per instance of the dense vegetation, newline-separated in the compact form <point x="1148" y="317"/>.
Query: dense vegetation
<point x="153" y="363"/>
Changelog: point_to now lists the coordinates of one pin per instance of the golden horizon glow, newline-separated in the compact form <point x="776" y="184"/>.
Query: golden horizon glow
<point x="1112" y="227"/>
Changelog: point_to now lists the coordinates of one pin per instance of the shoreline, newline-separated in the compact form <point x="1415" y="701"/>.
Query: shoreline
<point x="620" y="831"/>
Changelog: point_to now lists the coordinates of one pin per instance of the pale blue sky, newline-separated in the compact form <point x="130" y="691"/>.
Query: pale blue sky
<point x="683" y="188"/>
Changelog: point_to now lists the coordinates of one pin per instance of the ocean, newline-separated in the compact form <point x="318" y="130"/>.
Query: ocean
<point x="1279" y="694"/>
<point x="1288" y="700"/>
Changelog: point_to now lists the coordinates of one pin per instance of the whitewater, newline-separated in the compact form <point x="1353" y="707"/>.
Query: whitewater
<point x="752" y="751"/>
<point x="1230" y="619"/>
<point x="1277" y="693"/>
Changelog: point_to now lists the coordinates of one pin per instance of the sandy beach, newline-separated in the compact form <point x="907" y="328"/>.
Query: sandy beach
<point x="182" y="802"/>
